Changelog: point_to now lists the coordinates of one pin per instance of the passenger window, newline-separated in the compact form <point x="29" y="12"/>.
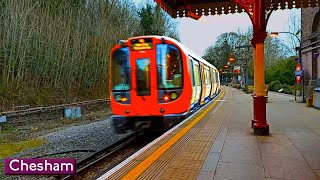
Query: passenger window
<point x="192" y="73"/>
<point x="207" y="77"/>
<point x="196" y="69"/>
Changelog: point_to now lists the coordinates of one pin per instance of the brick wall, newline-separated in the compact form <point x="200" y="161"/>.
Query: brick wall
<point x="307" y="16"/>
<point x="310" y="63"/>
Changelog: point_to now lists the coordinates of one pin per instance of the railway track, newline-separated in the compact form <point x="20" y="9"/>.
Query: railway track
<point x="109" y="157"/>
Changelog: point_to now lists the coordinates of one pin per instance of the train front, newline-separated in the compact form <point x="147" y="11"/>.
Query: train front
<point x="149" y="84"/>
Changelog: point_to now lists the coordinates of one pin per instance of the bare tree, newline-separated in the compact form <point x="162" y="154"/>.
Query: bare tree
<point x="294" y="26"/>
<point x="57" y="51"/>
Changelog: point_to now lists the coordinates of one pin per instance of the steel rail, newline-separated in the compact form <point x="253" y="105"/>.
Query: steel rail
<point x="94" y="159"/>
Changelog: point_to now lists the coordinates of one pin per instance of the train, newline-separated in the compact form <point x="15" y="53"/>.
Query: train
<point x="156" y="82"/>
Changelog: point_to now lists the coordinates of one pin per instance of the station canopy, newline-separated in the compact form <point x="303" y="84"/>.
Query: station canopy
<point x="179" y="8"/>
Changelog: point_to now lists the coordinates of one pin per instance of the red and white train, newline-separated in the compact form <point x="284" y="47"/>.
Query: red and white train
<point x="155" y="82"/>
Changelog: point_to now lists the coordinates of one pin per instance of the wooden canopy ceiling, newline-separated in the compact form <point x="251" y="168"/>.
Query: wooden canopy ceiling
<point x="177" y="8"/>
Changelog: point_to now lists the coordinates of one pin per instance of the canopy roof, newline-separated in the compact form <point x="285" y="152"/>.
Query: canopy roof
<point x="177" y="8"/>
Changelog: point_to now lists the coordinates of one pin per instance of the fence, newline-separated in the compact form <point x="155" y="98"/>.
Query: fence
<point x="50" y="112"/>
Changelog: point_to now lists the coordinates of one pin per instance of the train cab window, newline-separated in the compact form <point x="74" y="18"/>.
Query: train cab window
<point x="121" y="70"/>
<point x="169" y="67"/>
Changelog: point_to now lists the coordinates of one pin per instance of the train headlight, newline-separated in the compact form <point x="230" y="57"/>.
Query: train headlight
<point x="118" y="97"/>
<point x="127" y="111"/>
<point x="124" y="99"/>
<point x="173" y="95"/>
<point x="166" y="97"/>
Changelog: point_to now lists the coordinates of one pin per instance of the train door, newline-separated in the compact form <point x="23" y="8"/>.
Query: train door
<point x="193" y="83"/>
<point x="218" y="81"/>
<point x="212" y="75"/>
<point x="208" y="82"/>
<point x="203" y="84"/>
<point x="144" y="93"/>
<point x="196" y="83"/>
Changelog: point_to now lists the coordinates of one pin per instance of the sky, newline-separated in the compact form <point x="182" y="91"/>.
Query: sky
<point x="198" y="35"/>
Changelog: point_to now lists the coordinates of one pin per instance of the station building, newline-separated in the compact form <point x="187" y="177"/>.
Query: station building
<point x="310" y="48"/>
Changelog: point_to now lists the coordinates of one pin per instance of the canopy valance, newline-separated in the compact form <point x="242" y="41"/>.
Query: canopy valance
<point x="178" y="8"/>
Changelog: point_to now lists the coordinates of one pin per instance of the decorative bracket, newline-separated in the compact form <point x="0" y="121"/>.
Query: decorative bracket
<point x="189" y="12"/>
<point x="247" y="5"/>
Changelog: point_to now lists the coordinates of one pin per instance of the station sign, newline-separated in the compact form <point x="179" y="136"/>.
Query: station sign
<point x="236" y="69"/>
<point x="298" y="67"/>
<point x="298" y="73"/>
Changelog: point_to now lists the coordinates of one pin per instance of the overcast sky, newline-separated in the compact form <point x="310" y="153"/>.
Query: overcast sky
<point x="197" y="35"/>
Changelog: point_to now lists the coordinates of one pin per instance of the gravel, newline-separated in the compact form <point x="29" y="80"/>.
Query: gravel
<point x="82" y="140"/>
<point x="87" y="137"/>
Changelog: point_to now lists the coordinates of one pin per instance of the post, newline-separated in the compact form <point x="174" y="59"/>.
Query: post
<point x="246" y="75"/>
<point x="300" y="61"/>
<point x="260" y="126"/>
<point x="259" y="64"/>
<point x="295" y="91"/>
<point x="222" y="80"/>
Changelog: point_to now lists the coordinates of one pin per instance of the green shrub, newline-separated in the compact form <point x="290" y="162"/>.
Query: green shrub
<point x="273" y="84"/>
<point x="236" y="86"/>
<point x="286" y="88"/>
<point x="249" y="89"/>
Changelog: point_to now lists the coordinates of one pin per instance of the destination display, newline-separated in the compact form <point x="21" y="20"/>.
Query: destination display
<point x="141" y="44"/>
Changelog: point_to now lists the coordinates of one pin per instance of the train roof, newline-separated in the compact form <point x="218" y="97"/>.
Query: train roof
<point x="184" y="48"/>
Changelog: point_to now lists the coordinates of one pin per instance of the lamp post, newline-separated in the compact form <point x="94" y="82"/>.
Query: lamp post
<point x="276" y="34"/>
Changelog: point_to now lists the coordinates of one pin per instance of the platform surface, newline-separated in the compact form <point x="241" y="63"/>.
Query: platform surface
<point x="219" y="144"/>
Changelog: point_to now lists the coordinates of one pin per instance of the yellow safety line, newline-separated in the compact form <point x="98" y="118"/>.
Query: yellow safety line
<point x="140" y="168"/>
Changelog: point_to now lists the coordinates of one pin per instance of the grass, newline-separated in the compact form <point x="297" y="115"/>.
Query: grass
<point x="16" y="138"/>
<point x="2" y="170"/>
<point x="11" y="148"/>
<point x="8" y="149"/>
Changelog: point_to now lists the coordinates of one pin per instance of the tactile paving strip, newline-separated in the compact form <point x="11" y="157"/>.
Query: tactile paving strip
<point x="191" y="156"/>
<point x="125" y="169"/>
<point x="174" y="173"/>
<point x="196" y="149"/>
<point x="200" y="143"/>
<point x="147" y="153"/>
<point x="156" y="166"/>
<point x="169" y="154"/>
<point x="185" y="164"/>
<point x="185" y="157"/>
<point x="165" y="139"/>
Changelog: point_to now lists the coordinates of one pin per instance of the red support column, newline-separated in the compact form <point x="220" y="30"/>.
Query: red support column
<point x="260" y="124"/>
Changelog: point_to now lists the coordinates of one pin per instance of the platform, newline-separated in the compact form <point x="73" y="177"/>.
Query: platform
<point x="219" y="144"/>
